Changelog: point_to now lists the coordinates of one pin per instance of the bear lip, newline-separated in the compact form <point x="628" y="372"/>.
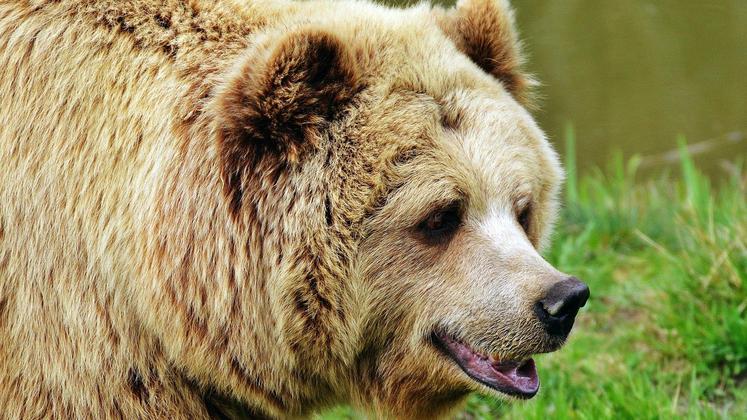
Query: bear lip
<point x="514" y="378"/>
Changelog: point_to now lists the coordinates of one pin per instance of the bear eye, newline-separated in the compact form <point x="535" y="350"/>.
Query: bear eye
<point x="525" y="218"/>
<point x="442" y="223"/>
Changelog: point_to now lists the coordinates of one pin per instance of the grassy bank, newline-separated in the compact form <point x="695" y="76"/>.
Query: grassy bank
<point x="665" y="333"/>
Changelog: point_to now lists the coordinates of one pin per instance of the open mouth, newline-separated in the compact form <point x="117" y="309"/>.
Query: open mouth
<point x="515" y="378"/>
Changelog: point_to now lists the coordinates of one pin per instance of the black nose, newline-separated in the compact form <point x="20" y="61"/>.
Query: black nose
<point x="558" y="309"/>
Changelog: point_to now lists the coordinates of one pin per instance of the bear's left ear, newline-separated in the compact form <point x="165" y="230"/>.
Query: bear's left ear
<point x="484" y="31"/>
<point x="281" y="95"/>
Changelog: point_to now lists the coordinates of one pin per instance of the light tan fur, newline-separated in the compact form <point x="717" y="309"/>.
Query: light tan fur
<point x="200" y="217"/>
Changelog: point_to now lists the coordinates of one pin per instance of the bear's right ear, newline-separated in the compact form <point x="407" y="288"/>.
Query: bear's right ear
<point x="280" y="97"/>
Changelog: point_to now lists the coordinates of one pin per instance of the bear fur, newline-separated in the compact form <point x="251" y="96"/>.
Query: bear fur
<point x="210" y="209"/>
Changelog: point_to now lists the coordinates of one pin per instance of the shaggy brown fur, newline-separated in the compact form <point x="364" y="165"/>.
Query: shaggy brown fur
<point x="207" y="207"/>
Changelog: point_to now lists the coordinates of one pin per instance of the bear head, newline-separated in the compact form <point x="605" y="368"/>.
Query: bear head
<point x="396" y="192"/>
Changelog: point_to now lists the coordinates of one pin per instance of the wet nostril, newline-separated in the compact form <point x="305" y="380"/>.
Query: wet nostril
<point x="554" y="308"/>
<point x="559" y="307"/>
<point x="566" y="297"/>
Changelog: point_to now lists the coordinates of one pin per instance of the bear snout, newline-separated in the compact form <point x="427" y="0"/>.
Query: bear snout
<point x="557" y="310"/>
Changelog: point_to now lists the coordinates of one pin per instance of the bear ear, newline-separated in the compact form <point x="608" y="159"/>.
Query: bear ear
<point x="281" y="95"/>
<point x="484" y="31"/>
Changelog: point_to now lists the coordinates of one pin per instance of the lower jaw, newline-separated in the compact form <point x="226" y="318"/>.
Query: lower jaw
<point x="493" y="385"/>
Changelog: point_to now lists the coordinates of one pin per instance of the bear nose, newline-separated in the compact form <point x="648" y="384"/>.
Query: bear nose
<point x="558" y="309"/>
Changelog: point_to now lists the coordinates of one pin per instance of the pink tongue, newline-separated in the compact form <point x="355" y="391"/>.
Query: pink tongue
<point x="513" y="378"/>
<point x="521" y="377"/>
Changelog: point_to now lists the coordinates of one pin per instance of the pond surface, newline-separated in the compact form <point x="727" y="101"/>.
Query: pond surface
<point x="633" y="75"/>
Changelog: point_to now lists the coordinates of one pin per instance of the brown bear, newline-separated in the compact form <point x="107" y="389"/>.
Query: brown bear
<point x="217" y="209"/>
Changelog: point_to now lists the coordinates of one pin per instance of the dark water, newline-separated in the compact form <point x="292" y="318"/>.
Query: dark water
<point x="632" y="75"/>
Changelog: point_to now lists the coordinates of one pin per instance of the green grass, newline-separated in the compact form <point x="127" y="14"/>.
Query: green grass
<point x="665" y="332"/>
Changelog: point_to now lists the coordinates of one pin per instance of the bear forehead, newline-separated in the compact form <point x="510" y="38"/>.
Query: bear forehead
<point x="428" y="97"/>
<point x="405" y="47"/>
<point x="471" y="144"/>
<point x="501" y="142"/>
